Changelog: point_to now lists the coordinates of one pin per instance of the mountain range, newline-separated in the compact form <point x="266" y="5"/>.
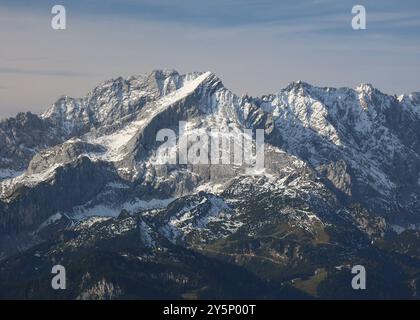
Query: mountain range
<point x="340" y="187"/>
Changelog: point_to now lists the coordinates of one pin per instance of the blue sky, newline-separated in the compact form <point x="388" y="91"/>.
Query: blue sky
<point x="256" y="47"/>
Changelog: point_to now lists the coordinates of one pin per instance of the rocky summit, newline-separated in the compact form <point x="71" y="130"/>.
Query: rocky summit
<point x="80" y="187"/>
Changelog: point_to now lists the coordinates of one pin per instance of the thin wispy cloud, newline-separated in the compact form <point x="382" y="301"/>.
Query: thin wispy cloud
<point x="50" y="73"/>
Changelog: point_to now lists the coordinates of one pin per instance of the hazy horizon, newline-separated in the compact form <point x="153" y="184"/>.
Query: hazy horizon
<point x="255" y="47"/>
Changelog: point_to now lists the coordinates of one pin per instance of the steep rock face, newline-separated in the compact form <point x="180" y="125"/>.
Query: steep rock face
<point x="24" y="207"/>
<point x="97" y="126"/>
<point x="21" y="138"/>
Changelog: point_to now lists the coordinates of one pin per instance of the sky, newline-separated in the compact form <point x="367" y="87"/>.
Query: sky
<point x="255" y="46"/>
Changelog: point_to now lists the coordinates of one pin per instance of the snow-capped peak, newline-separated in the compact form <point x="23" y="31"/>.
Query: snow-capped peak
<point x="365" y="87"/>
